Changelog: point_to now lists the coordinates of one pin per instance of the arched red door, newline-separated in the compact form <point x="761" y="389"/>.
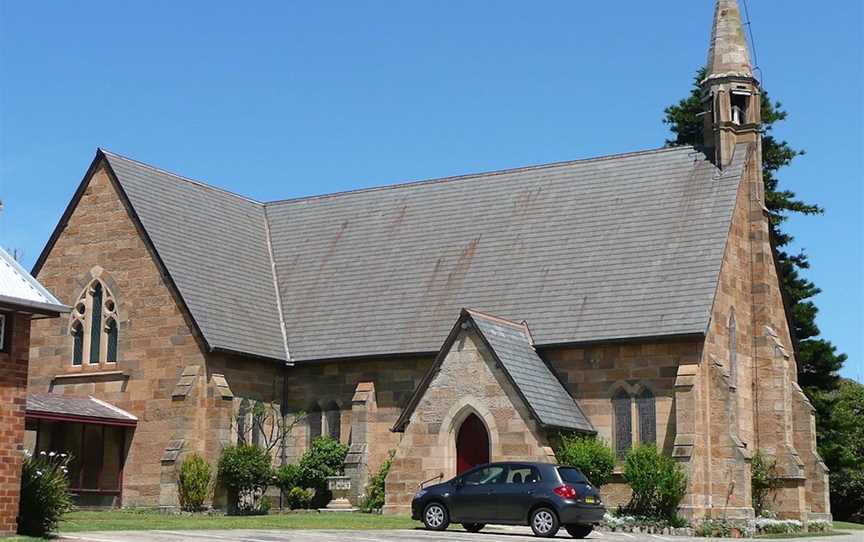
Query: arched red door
<point x="472" y="444"/>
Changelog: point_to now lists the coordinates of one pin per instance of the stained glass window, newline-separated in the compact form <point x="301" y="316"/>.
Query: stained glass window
<point x="623" y="423"/>
<point x="96" y="322"/>
<point x="647" y="417"/>
<point x="77" y="344"/>
<point x="112" y="340"/>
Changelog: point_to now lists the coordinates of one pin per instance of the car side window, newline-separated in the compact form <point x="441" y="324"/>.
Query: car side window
<point x="487" y="475"/>
<point x="523" y="474"/>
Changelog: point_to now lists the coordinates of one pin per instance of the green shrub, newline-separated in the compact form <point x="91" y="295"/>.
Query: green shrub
<point x="299" y="497"/>
<point x="245" y="472"/>
<point x="324" y="458"/>
<point x="44" y="493"/>
<point x="763" y="480"/>
<point x="657" y="481"/>
<point x="374" y="498"/>
<point x="588" y="454"/>
<point x="193" y="483"/>
<point x="287" y="477"/>
<point x="714" y="528"/>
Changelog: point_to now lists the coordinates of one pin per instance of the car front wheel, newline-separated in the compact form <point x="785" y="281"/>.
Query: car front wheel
<point x="544" y="522"/>
<point x="579" y="531"/>
<point x="435" y="517"/>
<point x="473" y="527"/>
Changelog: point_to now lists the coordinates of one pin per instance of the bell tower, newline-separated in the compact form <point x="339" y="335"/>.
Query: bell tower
<point x="730" y="93"/>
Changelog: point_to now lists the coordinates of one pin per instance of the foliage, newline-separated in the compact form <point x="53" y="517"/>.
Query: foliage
<point x="287" y="477"/>
<point x="44" y="493"/>
<point x="819" y="362"/>
<point x="324" y="458"/>
<point x="714" y="528"/>
<point x="299" y="497"/>
<point x="245" y="472"/>
<point x="657" y="481"/>
<point x="193" y="483"/>
<point x="763" y="480"/>
<point x="590" y="455"/>
<point x="842" y="448"/>
<point x="778" y="526"/>
<point x="622" y="521"/>
<point x="374" y="498"/>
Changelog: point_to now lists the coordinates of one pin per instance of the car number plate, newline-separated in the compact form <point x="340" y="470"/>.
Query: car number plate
<point x="590" y="500"/>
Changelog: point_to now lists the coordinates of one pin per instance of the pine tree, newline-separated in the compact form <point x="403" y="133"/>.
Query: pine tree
<point x="818" y="360"/>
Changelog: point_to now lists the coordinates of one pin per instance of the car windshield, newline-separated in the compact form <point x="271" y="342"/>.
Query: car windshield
<point x="572" y="476"/>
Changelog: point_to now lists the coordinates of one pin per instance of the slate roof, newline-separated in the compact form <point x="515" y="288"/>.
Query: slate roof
<point x="41" y="404"/>
<point x="617" y="247"/>
<point x="549" y="401"/>
<point x="610" y="248"/>
<point x="22" y="292"/>
<point x="214" y="245"/>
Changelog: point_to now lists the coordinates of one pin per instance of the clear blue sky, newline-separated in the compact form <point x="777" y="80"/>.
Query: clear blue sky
<point x="281" y="99"/>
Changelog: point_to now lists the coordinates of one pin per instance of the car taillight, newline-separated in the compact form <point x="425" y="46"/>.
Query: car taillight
<point x="566" y="492"/>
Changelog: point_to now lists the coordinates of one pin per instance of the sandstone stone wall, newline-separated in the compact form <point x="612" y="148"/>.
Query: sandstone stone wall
<point x="467" y="382"/>
<point x="13" y="392"/>
<point x="156" y="339"/>
<point x="593" y="374"/>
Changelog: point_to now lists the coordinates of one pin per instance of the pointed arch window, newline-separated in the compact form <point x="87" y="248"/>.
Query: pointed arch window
<point x="314" y="420"/>
<point x="333" y="418"/>
<point x="94" y="326"/>
<point x="646" y="406"/>
<point x="623" y="423"/>
<point x="242" y="414"/>
<point x="733" y="351"/>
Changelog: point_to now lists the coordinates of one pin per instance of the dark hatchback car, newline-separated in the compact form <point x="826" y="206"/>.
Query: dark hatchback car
<point x="542" y="495"/>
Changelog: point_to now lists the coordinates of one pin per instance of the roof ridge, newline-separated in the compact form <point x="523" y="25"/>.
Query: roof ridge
<point x="467" y="176"/>
<point x="487" y="316"/>
<point x="200" y="184"/>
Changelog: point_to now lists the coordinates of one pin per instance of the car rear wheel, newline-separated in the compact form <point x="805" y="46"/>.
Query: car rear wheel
<point x="435" y="517"/>
<point x="473" y="527"/>
<point x="579" y="531"/>
<point x="544" y="522"/>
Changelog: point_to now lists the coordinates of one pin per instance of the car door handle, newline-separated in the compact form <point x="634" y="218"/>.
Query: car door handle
<point x="530" y="492"/>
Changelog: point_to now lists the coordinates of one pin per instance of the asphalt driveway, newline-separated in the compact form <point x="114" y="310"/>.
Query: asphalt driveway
<point x="494" y="534"/>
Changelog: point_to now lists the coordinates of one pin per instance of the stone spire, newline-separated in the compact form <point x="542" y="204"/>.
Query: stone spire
<point x="728" y="55"/>
<point x="730" y="92"/>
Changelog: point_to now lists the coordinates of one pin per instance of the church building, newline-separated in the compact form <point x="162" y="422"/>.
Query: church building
<point x="448" y="322"/>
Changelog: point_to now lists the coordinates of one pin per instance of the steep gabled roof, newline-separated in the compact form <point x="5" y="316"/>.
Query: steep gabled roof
<point x="512" y="348"/>
<point x="619" y="247"/>
<point x="20" y="291"/>
<point x="215" y="247"/>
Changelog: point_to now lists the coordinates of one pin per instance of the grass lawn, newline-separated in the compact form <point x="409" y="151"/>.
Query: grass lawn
<point x="118" y="520"/>
<point x="848" y="526"/>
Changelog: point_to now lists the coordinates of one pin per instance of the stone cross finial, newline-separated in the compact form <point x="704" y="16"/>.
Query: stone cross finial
<point x="728" y="55"/>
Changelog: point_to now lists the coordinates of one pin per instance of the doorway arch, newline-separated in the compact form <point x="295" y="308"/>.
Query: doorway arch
<point x="472" y="444"/>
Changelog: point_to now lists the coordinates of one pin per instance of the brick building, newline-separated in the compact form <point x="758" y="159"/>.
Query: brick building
<point x="633" y="296"/>
<point x="22" y="299"/>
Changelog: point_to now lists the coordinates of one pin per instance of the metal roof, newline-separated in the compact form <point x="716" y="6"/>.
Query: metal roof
<point x="617" y="247"/>
<point x="21" y="291"/>
<point x="51" y="405"/>
<point x="546" y="397"/>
